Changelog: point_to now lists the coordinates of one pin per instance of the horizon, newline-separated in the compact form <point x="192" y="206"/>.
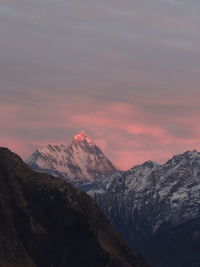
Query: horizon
<point x="128" y="73"/>
<point x="90" y="139"/>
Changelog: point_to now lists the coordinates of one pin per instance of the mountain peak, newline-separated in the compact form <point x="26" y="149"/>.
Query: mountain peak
<point x="81" y="160"/>
<point x="82" y="136"/>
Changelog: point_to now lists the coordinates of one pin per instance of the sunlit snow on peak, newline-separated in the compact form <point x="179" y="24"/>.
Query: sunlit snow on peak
<point x="82" y="136"/>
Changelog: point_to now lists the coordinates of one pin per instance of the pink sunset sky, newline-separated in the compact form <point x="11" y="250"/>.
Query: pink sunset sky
<point x="125" y="72"/>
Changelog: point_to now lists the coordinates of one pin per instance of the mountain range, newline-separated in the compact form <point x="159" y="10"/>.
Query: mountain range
<point x="155" y="207"/>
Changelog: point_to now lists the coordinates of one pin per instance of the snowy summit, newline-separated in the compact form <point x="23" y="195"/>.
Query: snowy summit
<point x="82" y="160"/>
<point x="82" y="136"/>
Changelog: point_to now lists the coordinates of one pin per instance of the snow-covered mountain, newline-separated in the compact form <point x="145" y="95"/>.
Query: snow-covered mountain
<point x="153" y="206"/>
<point x="81" y="160"/>
<point x="150" y="200"/>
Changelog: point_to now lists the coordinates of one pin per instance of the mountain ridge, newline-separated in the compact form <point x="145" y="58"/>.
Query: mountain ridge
<point x="151" y="199"/>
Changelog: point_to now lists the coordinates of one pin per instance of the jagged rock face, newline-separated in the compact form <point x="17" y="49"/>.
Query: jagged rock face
<point x="151" y="199"/>
<point x="82" y="160"/>
<point x="45" y="222"/>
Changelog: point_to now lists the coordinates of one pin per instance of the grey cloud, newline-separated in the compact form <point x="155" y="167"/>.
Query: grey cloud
<point x="95" y="53"/>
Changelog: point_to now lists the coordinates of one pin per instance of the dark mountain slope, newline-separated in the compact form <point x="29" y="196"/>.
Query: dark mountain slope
<point x="45" y="222"/>
<point x="179" y="246"/>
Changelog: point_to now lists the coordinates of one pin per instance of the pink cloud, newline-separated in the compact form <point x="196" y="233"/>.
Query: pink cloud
<point x="128" y="133"/>
<point x="120" y="70"/>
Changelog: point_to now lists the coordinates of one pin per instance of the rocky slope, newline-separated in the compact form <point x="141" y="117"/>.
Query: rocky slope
<point x="80" y="161"/>
<point x="45" y="222"/>
<point x="147" y="202"/>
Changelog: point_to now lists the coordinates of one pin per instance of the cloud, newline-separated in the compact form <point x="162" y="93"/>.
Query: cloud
<point x="127" y="72"/>
<point x="128" y="133"/>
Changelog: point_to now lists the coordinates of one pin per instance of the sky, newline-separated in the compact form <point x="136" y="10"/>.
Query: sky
<point x="125" y="72"/>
